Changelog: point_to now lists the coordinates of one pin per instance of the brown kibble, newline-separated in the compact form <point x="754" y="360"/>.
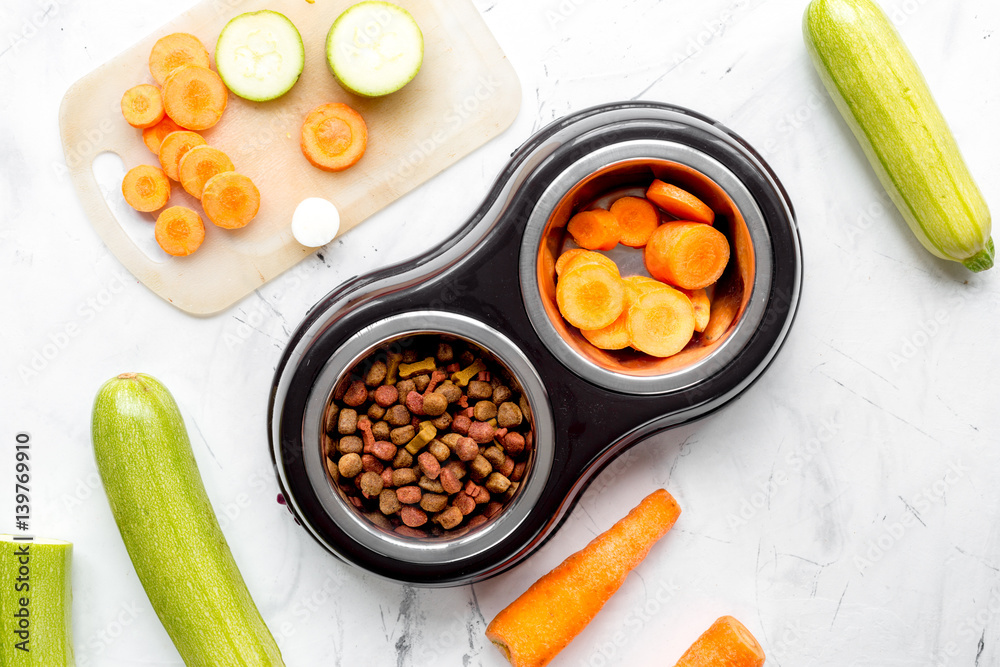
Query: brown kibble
<point x="443" y="422"/>
<point x="450" y="518"/>
<point x="495" y="456"/>
<point x="414" y="517"/>
<point x="421" y="382"/>
<point x="451" y="439"/>
<point x="341" y="389"/>
<point x="464" y="503"/>
<point x="513" y="443"/>
<point x="480" y="467"/>
<point x="329" y="447"/>
<point x="349" y="465"/>
<point x="429" y="465"/>
<point x="509" y="415"/>
<point x="484" y="411"/>
<point x="380" y="430"/>
<point x="507" y="467"/>
<point x="404" y="459"/>
<point x="461" y="424"/>
<point x="386" y="395"/>
<point x="479" y="390"/>
<point x="466" y="449"/>
<point x="483" y="497"/>
<point x="349" y="444"/>
<point x="450" y="391"/>
<point x="332" y="470"/>
<point x="375" y="412"/>
<point x="409" y="495"/>
<point x="398" y="415"/>
<point x="449" y="482"/>
<point x="403" y="477"/>
<point x="439" y="450"/>
<point x="445" y="353"/>
<point x="388" y="503"/>
<point x="371" y="464"/>
<point x="477" y="520"/>
<point x="497" y="483"/>
<point x="431" y="485"/>
<point x="384" y="450"/>
<point x="481" y="432"/>
<point x="410" y="532"/>
<point x="330" y="417"/>
<point x="371" y="484"/>
<point x="376" y="374"/>
<point x="434" y="404"/>
<point x="457" y="468"/>
<point x="347" y="422"/>
<point x="501" y="394"/>
<point x="492" y="509"/>
<point x="356" y="394"/>
<point x="433" y="502"/>
<point x="404" y="387"/>
<point x="518" y="471"/>
<point x="522" y="403"/>
<point x="402" y="435"/>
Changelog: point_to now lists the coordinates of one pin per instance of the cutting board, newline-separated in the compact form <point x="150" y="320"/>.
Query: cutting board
<point x="465" y="93"/>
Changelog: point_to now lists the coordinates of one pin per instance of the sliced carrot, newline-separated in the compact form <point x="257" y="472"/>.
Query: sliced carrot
<point x="661" y="322"/>
<point x="725" y="307"/>
<point x="726" y="644"/>
<point x="612" y="337"/>
<point x="194" y="97"/>
<point x="565" y="258"/>
<point x="174" y="51"/>
<point x="535" y="627"/>
<point x="334" y="137"/>
<point x="179" y="231"/>
<point x="142" y="105"/>
<point x="230" y="200"/>
<point x="702" y="307"/>
<point x="200" y="164"/>
<point x="589" y="257"/>
<point x="173" y="148"/>
<point x="153" y="136"/>
<point x="590" y="297"/>
<point x="146" y="188"/>
<point x="594" y="230"/>
<point x="637" y="219"/>
<point x="691" y="255"/>
<point x="679" y="203"/>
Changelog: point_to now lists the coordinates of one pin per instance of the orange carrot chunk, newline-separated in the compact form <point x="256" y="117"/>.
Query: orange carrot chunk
<point x="179" y="231"/>
<point x="702" y="307"/>
<point x="173" y="148"/>
<point x="594" y="230"/>
<point x="590" y="297"/>
<point x="565" y="258"/>
<point x="230" y="200"/>
<point x="637" y="220"/>
<point x="153" y="136"/>
<point x="142" y="106"/>
<point x="146" y="188"/>
<point x="725" y="307"/>
<point x="691" y="255"/>
<point x="679" y="203"/>
<point x="535" y="627"/>
<point x="612" y="337"/>
<point x="334" y="137"/>
<point x="726" y="644"/>
<point x="661" y="322"/>
<point x="174" y="51"/>
<point x="586" y="257"/>
<point x="194" y="97"/>
<point x="200" y="164"/>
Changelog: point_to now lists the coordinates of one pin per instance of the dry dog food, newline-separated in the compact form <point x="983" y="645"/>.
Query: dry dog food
<point x="428" y="438"/>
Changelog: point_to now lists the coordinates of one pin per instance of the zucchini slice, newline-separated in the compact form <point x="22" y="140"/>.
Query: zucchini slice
<point x="260" y="55"/>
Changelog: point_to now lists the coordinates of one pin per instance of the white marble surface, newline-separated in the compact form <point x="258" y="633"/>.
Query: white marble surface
<point x="846" y="508"/>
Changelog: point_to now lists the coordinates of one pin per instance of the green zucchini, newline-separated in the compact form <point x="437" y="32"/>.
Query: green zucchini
<point x="171" y="534"/>
<point x="882" y="95"/>
<point x="37" y="603"/>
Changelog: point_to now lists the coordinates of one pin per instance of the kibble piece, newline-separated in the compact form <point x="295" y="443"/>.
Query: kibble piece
<point x="501" y="394"/>
<point x="461" y="424"/>
<point x="435" y="404"/>
<point x="398" y="415"/>
<point x="433" y="502"/>
<point x="376" y="374"/>
<point x="518" y="471"/>
<point x="330" y="417"/>
<point x="341" y="389"/>
<point x="480" y="467"/>
<point x="443" y="422"/>
<point x="375" y="412"/>
<point x="404" y="387"/>
<point x="402" y="435"/>
<point x="403" y="477"/>
<point x="347" y="422"/>
<point x="481" y="432"/>
<point x="485" y="411"/>
<point x="408" y="370"/>
<point x="450" y="518"/>
<point x="329" y="447"/>
<point x="388" y="503"/>
<point x="449" y="482"/>
<point x="380" y="520"/>
<point x="371" y="484"/>
<point x="495" y="456"/>
<point x="431" y="485"/>
<point x="349" y="465"/>
<point x="409" y="357"/>
<point x="386" y="478"/>
<point x="386" y="395"/>
<point x="509" y="415"/>
<point x="525" y="408"/>
<point x="449" y="391"/>
<point x="464" y="503"/>
<point x="479" y="390"/>
<point x="457" y="468"/>
<point x="507" y="467"/>
<point x="384" y="450"/>
<point x="350" y="444"/>
<point x="403" y="459"/>
<point x="414" y="517"/>
<point x="356" y="394"/>
<point x="477" y="520"/>
<point x="451" y="439"/>
<point x="497" y="483"/>
<point x="445" y="354"/>
<point x="466" y="449"/>
<point x="409" y="495"/>
<point x="371" y="464"/>
<point x="332" y="470"/>
<point x="513" y="443"/>
<point x="415" y="402"/>
<point x="380" y="430"/>
<point x="429" y="465"/>
<point x="492" y="509"/>
<point x="439" y="450"/>
<point x="421" y="382"/>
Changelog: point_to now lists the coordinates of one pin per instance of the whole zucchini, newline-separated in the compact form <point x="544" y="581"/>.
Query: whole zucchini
<point x="882" y="95"/>
<point x="169" y="529"/>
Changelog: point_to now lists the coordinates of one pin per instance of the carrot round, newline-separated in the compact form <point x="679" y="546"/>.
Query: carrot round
<point x="661" y="322"/>
<point x="586" y="257"/>
<point x="194" y="97"/>
<point x="142" y="105"/>
<point x="334" y="137"/>
<point x="637" y="220"/>
<point x="726" y="644"/>
<point x="565" y="258"/>
<point x="725" y="307"/>
<point x="594" y="230"/>
<point x="691" y="255"/>
<point x="174" y="51"/>
<point x="612" y="337"/>
<point x="200" y="164"/>
<point x="153" y="136"/>
<point x="173" y="148"/>
<point x="146" y="188"/>
<point x="230" y="200"/>
<point x="539" y="624"/>
<point x="179" y="231"/>
<point x="679" y="203"/>
<point x="590" y="297"/>
<point x="702" y="307"/>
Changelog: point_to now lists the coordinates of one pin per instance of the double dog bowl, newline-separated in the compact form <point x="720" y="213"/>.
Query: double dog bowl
<point x="493" y="283"/>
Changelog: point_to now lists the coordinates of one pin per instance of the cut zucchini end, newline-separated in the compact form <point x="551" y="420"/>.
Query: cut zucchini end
<point x="983" y="260"/>
<point x="260" y="55"/>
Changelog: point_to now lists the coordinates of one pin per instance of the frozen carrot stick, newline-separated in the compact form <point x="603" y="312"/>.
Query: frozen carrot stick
<point x="661" y="322"/>
<point x="334" y="137"/>
<point x="142" y="106"/>
<point x="146" y="188"/>
<point x="539" y="624"/>
<point x="594" y="230"/>
<point x="200" y="164"/>
<point x="179" y="231"/>
<point x="153" y="136"/>
<point x="173" y="147"/>
<point x="590" y="297"/>
<point x="194" y="97"/>
<point x="230" y="200"/>
<point x="726" y="644"/>
<point x="679" y="203"/>
<point x="691" y="255"/>
<point x="637" y="220"/>
<point x="174" y="51"/>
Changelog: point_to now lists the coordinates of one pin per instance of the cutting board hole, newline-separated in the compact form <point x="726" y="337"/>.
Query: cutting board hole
<point x="109" y="170"/>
